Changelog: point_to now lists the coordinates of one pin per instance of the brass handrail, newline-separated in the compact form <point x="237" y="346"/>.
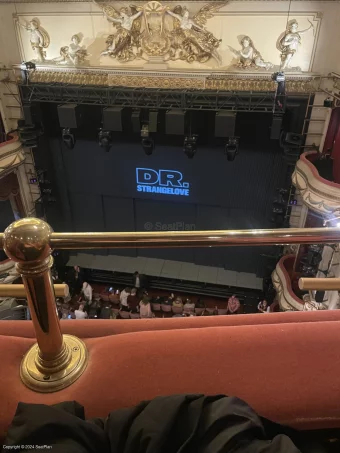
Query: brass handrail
<point x="210" y="238"/>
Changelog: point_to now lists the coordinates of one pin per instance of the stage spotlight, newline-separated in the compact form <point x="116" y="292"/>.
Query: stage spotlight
<point x="147" y="142"/>
<point x="104" y="139"/>
<point x="231" y="148"/>
<point x="26" y="68"/>
<point x="190" y="146"/>
<point x="28" y="65"/>
<point x="68" y="138"/>
<point x="148" y="145"/>
<point x="279" y="77"/>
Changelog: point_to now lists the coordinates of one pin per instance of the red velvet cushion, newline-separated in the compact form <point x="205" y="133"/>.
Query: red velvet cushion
<point x="102" y="328"/>
<point x="289" y="373"/>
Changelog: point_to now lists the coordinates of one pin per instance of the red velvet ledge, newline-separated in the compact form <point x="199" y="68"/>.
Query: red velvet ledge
<point x="285" y="365"/>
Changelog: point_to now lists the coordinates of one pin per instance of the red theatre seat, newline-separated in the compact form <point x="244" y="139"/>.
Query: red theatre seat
<point x="285" y="365"/>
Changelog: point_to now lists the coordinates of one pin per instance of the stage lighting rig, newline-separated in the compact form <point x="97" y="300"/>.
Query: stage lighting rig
<point x="105" y="140"/>
<point x="280" y="94"/>
<point x="147" y="142"/>
<point x="190" y="145"/>
<point x="27" y="67"/>
<point x="231" y="148"/>
<point x="68" y="138"/>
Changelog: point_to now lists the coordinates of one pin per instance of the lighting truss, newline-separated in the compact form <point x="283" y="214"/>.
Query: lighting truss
<point x="237" y="101"/>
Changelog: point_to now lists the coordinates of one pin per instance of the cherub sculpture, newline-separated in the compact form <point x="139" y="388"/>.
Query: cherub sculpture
<point x="190" y="40"/>
<point x="38" y="37"/>
<point x="290" y="42"/>
<point x="124" y="45"/>
<point x="249" y="57"/>
<point x="74" y="53"/>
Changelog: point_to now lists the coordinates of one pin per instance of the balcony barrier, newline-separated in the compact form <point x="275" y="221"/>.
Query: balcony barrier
<point x="319" y="194"/>
<point x="56" y="361"/>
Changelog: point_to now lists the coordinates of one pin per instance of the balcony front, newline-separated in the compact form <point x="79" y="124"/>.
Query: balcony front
<point x="313" y="177"/>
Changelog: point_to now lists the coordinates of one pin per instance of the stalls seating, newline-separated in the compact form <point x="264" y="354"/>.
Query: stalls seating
<point x="124" y="314"/>
<point x="285" y="365"/>
<point x="166" y="308"/>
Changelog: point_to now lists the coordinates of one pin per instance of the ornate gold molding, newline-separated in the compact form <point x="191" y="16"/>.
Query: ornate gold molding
<point x="239" y="83"/>
<point x="156" y="82"/>
<point x="168" y="80"/>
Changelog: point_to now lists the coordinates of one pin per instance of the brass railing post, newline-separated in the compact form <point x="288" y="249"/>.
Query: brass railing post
<point x="56" y="361"/>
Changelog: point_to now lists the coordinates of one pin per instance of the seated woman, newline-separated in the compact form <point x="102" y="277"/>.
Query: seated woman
<point x="177" y="303"/>
<point x="145" y="308"/>
<point x="263" y="307"/>
<point x="189" y="307"/>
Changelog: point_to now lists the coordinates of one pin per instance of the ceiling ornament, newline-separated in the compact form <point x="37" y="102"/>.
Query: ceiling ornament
<point x="155" y="30"/>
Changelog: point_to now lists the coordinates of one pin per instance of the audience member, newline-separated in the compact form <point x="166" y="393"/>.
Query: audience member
<point x="145" y="308"/>
<point x="177" y="303"/>
<point x="124" y="297"/>
<point x="75" y="280"/>
<point x="139" y="281"/>
<point x="106" y="311"/>
<point x="87" y="293"/>
<point x="263" y="307"/>
<point x="168" y="300"/>
<point x="233" y="305"/>
<point x="200" y="303"/>
<point x="189" y="307"/>
<point x="80" y="313"/>
<point x="94" y="310"/>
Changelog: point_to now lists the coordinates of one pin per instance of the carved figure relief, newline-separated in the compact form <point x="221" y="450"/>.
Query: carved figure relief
<point x="159" y="33"/>
<point x="290" y="42"/>
<point x="39" y="38"/>
<point x="249" y="57"/>
<point x="142" y="30"/>
<point x="190" y="41"/>
<point x="124" y="45"/>
<point x="73" y="54"/>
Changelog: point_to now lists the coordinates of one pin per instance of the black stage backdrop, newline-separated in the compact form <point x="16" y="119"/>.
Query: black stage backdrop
<point x="97" y="191"/>
<point x="6" y="214"/>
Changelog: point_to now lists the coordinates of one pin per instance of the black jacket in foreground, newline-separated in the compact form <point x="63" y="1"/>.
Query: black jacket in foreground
<point x="170" y="424"/>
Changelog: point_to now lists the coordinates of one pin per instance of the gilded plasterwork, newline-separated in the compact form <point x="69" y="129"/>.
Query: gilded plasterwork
<point x="173" y="36"/>
<point x="140" y="79"/>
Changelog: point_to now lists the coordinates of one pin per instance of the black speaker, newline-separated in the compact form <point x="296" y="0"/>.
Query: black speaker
<point x="32" y="113"/>
<point x="112" y="119"/>
<point x="69" y="116"/>
<point x="135" y="121"/>
<point x="275" y="131"/>
<point x="225" y="124"/>
<point x="294" y="139"/>
<point x="153" y="119"/>
<point x="175" y="122"/>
